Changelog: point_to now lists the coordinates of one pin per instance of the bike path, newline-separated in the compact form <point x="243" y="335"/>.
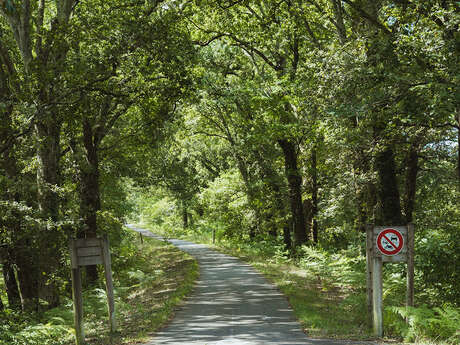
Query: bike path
<point x="232" y="304"/>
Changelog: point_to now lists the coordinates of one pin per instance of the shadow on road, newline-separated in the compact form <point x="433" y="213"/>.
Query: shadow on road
<point x="232" y="304"/>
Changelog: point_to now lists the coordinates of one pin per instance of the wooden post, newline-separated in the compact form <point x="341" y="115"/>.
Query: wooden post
<point x="77" y="295"/>
<point x="140" y="236"/>
<point x="377" y="296"/>
<point x="84" y="252"/>
<point x="410" y="266"/>
<point x="369" y="269"/>
<point x="213" y="236"/>
<point x="109" y="283"/>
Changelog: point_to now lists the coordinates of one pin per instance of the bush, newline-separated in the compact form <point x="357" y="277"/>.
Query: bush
<point x="20" y="329"/>
<point x="423" y="323"/>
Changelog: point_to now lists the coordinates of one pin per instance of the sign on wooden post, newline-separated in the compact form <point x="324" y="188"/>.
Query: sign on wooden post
<point x="387" y="244"/>
<point x="87" y="252"/>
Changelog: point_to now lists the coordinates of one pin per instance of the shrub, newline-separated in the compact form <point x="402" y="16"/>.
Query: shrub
<point x="423" y="323"/>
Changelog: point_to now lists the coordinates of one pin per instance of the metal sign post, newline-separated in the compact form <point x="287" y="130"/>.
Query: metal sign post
<point x="387" y="244"/>
<point x="86" y="252"/>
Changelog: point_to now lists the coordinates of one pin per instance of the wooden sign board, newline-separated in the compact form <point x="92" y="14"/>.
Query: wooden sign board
<point x="88" y="252"/>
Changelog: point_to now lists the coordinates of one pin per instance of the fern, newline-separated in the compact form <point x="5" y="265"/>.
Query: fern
<point x="423" y="323"/>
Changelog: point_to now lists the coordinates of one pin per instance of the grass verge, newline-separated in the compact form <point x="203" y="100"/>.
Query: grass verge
<point x="159" y="281"/>
<point x="150" y="280"/>
<point x="322" y="309"/>
<point x="327" y="292"/>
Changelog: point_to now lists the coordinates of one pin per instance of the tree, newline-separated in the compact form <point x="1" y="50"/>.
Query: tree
<point x="275" y="48"/>
<point x="116" y="74"/>
<point x="40" y="40"/>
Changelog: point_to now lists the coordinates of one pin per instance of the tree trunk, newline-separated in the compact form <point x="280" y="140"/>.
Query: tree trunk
<point x="314" y="195"/>
<point x="9" y="167"/>
<point x="365" y="193"/>
<point x="388" y="192"/>
<point x="24" y="255"/>
<point x="411" y="182"/>
<point x="287" y="237"/>
<point x="308" y="214"/>
<point x="294" y="179"/>
<point x="273" y="180"/>
<point x="48" y="154"/>
<point x="90" y="202"/>
<point x="28" y="276"/>
<point x="184" y="215"/>
<point x="12" y="290"/>
<point x="47" y="130"/>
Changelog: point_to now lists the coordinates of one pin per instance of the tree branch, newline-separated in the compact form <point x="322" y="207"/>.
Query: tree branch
<point x="40" y="19"/>
<point x="248" y="46"/>
<point x="206" y="43"/>
<point x="368" y="17"/>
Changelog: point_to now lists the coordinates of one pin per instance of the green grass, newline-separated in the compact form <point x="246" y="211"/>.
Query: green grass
<point x="150" y="280"/>
<point x="322" y="309"/>
<point x="328" y="294"/>
<point x="158" y="283"/>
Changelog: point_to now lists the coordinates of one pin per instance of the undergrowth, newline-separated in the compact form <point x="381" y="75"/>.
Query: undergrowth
<point x="149" y="279"/>
<point x="327" y="290"/>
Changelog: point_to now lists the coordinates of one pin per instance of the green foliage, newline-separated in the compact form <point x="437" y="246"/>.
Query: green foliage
<point x="343" y="270"/>
<point x="132" y="96"/>
<point x="158" y="210"/>
<point x="224" y="202"/>
<point x="142" y="303"/>
<point x="19" y="329"/>
<point x="441" y="323"/>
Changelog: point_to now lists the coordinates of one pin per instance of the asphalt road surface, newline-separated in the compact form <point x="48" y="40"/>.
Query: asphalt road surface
<point x="232" y="304"/>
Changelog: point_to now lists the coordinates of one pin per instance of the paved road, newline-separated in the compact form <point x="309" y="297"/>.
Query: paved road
<point x="232" y="304"/>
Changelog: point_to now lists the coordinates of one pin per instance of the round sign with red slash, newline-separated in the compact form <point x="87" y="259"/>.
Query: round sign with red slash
<point x="390" y="242"/>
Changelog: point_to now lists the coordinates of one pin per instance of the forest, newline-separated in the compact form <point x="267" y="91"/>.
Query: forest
<point x="283" y="126"/>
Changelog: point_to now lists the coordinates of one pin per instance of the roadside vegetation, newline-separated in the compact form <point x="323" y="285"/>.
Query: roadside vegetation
<point x="326" y="287"/>
<point x="150" y="278"/>
<point x="285" y="126"/>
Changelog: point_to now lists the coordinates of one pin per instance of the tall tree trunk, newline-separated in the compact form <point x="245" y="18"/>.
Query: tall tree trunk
<point x="47" y="130"/>
<point x="90" y="202"/>
<point x="48" y="154"/>
<point x="314" y="195"/>
<point x="294" y="179"/>
<point x="36" y="60"/>
<point x="287" y="239"/>
<point x="388" y="192"/>
<point x="273" y="180"/>
<point x="411" y="181"/>
<point x="365" y="193"/>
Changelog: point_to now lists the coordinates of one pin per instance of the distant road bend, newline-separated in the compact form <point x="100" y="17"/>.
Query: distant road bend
<point x="232" y="304"/>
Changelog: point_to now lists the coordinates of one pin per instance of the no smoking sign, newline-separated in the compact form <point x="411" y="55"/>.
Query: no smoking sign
<point x="390" y="241"/>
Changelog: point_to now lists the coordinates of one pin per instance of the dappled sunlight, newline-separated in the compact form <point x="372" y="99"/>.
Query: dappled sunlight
<point x="231" y="304"/>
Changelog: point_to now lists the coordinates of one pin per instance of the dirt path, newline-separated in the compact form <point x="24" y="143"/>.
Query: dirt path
<point x="232" y="304"/>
